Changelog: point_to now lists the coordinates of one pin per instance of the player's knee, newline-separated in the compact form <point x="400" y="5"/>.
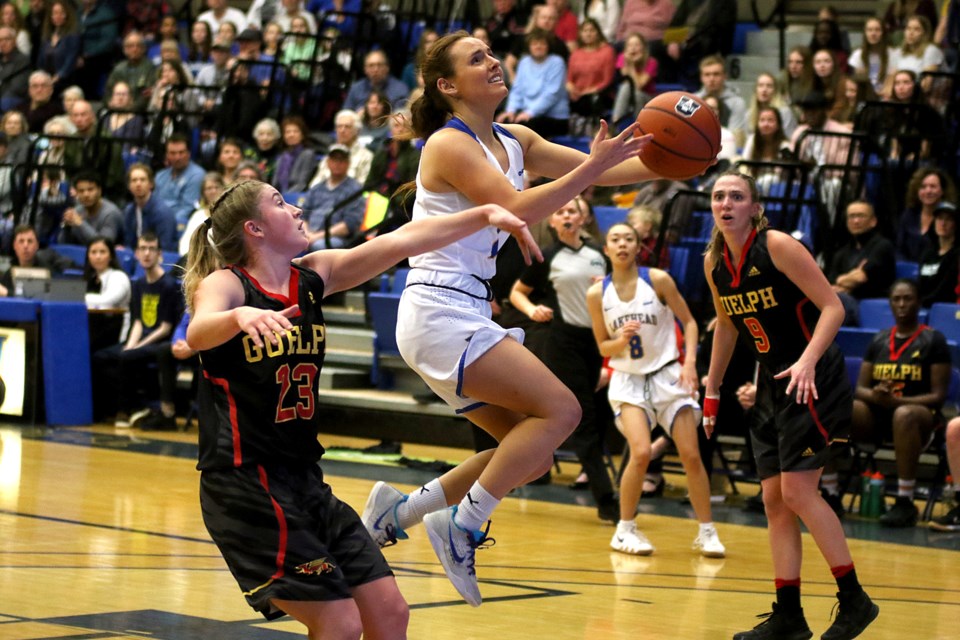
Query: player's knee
<point x="394" y="614"/>
<point x="953" y="433"/>
<point x="341" y="627"/>
<point x="640" y="455"/>
<point x="796" y="498"/>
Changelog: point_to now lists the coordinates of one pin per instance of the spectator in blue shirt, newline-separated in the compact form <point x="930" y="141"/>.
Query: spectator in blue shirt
<point x="376" y="69"/>
<point x="538" y="97"/>
<point x="178" y="186"/>
<point x="322" y="201"/>
<point x="146" y="212"/>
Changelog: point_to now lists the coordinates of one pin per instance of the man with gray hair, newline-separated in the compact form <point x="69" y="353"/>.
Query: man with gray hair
<point x="14" y="70"/>
<point x="39" y="105"/>
<point x="136" y="70"/>
<point x="347" y="129"/>
<point x="376" y="69"/>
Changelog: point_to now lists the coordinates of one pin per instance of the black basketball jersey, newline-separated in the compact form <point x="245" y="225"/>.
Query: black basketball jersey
<point x="259" y="404"/>
<point x="906" y="361"/>
<point x="770" y="312"/>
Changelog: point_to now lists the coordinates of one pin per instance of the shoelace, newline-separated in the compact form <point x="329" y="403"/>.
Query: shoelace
<point x="483" y="542"/>
<point x="391" y="533"/>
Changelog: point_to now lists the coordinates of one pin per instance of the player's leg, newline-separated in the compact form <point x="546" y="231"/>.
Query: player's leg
<point x="325" y="620"/>
<point x="912" y="427"/>
<point x="636" y="430"/>
<point x="686" y="438"/>
<point x="383" y="610"/>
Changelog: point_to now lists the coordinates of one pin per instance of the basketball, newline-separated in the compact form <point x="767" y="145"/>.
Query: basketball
<point x="686" y="135"/>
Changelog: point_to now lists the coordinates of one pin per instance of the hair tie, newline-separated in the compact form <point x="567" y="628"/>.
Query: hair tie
<point x="209" y="222"/>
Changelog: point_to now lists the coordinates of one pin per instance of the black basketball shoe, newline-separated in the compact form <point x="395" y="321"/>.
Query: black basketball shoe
<point x="778" y="625"/>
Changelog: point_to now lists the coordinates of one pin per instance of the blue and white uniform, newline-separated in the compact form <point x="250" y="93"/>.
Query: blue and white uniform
<point x="444" y="321"/>
<point x="646" y="373"/>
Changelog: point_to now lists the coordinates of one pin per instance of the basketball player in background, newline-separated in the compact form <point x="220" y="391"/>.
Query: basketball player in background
<point x="444" y="328"/>
<point x="634" y="312"/>
<point x="768" y="289"/>
<point x="292" y="546"/>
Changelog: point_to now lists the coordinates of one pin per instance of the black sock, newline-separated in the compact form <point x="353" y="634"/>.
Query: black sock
<point x="788" y="596"/>
<point x="847" y="581"/>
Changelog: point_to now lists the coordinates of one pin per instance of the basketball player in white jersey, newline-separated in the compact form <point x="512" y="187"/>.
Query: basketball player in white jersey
<point x="633" y="311"/>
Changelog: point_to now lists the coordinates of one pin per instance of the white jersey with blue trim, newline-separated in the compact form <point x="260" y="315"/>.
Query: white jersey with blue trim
<point x="477" y="253"/>
<point x="655" y="345"/>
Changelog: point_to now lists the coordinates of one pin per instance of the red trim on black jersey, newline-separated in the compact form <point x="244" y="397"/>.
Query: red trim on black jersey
<point x="803" y="322"/>
<point x="281" y="524"/>
<point x="293" y="287"/>
<point x="224" y="384"/>
<point x="735" y="274"/>
<point x="816" y="420"/>
<point x="896" y="353"/>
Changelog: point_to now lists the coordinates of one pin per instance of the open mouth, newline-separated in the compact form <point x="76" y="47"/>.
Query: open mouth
<point x="496" y="79"/>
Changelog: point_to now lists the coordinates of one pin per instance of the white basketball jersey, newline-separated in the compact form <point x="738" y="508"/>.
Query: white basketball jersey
<point x="477" y="253"/>
<point x="656" y="343"/>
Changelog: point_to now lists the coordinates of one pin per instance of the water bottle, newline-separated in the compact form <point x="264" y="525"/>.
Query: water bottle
<point x="949" y="491"/>
<point x="865" y="494"/>
<point x="876" y="505"/>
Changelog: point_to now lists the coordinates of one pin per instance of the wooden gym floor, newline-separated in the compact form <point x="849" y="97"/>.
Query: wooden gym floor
<point x="101" y="537"/>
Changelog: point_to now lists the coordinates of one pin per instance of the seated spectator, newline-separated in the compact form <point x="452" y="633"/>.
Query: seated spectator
<point x="70" y="96"/>
<point x="900" y="393"/>
<point x="814" y="117"/>
<point x="250" y="42"/>
<point x="828" y="37"/>
<point x="396" y="162"/>
<point x="543" y="18"/>
<point x="266" y="147"/>
<point x="215" y="75"/>
<point x="14" y="124"/>
<point x="376" y="70"/>
<point x="767" y="93"/>
<point x="136" y="70"/>
<point x="899" y="12"/>
<point x="229" y="158"/>
<point x="864" y="267"/>
<point x="606" y="13"/>
<point x="347" y="133"/>
<point x="60" y="46"/>
<point x="122" y="123"/>
<point x="178" y="184"/>
<point x="928" y="187"/>
<point x="297" y="162"/>
<point x="375" y="120"/>
<point x="704" y="28"/>
<point x="539" y="96"/>
<point x="218" y="12"/>
<point x="146" y="212"/>
<point x="713" y="82"/>
<point x="590" y="73"/>
<point x="98" y="44"/>
<point x="872" y="59"/>
<point x="6" y="180"/>
<point x="950" y="522"/>
<point x="210" y="189"/>
<point x="637" y="80"/>
<point x="506" y="27"/>
<point x="169" y="87"/>
<point x="121" y="371"/>
<point x="14" y="71"/>
<point x="27" y="253"/>
<point x="93" y="216"/>
<point x="167" y="42"/>
<point x="729" y="149"/>
<point x="797" y="76"/>
<point x="40" y="105"/>
<point x="11" y="17"/>
<point x="290" y="9"/>
<point x="249" y="170"/>
<point x="272" y="35"/>
<point x="324" y="197"/>
<point x="828" y="79"/>
<point x="649" y="18"/>
<point x="769" y="142"/>
<point x="199" y="48"/>
<point x="411" y="71"/>
<point x="108" y="294"/>
<point x="646" y="221"/>
<point x="917" y="53"/>
<point x="939" y="265"/>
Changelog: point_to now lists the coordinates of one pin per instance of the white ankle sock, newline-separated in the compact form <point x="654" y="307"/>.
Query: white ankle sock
<point x="475" y="508"/>
<point x="420" y="502"/>
<point x="705" y="527"/>
<point x="626" y="525"/>
<point x="905" y="488"/>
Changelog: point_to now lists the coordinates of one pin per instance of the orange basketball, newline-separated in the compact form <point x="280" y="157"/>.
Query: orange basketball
<point x="686" y="135"/>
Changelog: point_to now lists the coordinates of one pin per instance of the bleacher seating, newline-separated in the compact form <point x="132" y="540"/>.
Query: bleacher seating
<point x="876" y="314"/>
<point x="853" y="341"/>
<point x="608" y="216"/>
<point x="383" y="315"/>
<point x="908" y="269"/>
<point x="945" y="317"/>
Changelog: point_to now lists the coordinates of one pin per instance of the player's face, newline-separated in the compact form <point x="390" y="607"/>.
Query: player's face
<point x="621" y="245"/>
<point x="477" y="71"/>
<point x="732" y="205"/>
<point x="282" y="222"/>
<point x="905" y="304"/>
<point x="98" y="255"/>
<point x="567" y="220"/>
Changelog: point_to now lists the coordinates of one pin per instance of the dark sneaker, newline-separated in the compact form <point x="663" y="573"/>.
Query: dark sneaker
<point x="903" y="514"/>
<point x="778" y="625"/>
<point x="835" y="502"/>
<point x="949" y="522"/>
<point x="156" y="421"/>
<point x="854" y="614"/>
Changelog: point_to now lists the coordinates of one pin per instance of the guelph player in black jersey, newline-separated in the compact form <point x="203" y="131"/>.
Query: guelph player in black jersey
<point x="901" y="388"/>
<point x="767" y="287"/>
<point x="293" y="547"/>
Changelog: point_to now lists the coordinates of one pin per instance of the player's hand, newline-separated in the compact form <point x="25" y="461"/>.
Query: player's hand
<point x="629" y="329"/>
<point x="502" y="219"/>
<point x="609" y="152"/>
<point x="802" y="376"/>
<point x="262" y="324"/>
<point x="747" y="395"/>
<point x="541" y="313"/>
<point x="688" y="378"/>
<point x="711" y="406"/>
